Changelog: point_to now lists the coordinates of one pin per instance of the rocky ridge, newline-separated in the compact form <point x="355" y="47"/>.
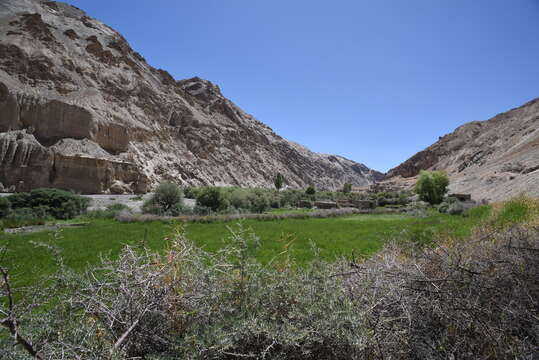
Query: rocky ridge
<point x="492" y="160"/>
<point x="80" y="109"/>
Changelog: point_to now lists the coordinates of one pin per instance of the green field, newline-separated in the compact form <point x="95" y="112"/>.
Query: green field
<point x="358" y="235"/>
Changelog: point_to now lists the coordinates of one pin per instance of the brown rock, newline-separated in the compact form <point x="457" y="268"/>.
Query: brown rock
<point x="480" y="157"/>
<point x="74" y="77"/>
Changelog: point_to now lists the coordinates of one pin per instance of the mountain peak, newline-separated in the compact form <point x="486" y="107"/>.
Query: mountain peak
<point x="81" y="109"/>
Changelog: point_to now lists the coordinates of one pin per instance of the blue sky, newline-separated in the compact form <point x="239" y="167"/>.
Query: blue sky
<point x="375" y="81"/>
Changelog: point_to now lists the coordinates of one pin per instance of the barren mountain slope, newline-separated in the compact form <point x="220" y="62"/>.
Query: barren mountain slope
<point x="493" y="159"/>
<point x="80" y="109"/>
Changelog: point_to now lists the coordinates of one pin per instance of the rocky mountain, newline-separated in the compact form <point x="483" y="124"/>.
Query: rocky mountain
<point x="493" y="159"/>
<point x="80" y="109"/>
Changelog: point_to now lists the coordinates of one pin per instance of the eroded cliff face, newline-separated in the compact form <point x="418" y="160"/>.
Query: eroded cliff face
<point x="493" y="159"/>
<point x="25" y="164"/>
<point x="68" y="78"/>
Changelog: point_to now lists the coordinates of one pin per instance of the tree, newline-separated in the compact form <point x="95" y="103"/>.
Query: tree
<point x="279" y="180"/>
<point x="347" y="188"/>
<point x="432" y="186"/>
<point x="5" y="207"/>
<point x="213" y="198"/>
<point x="166" y="200"/>
<point x="310" y="190"/>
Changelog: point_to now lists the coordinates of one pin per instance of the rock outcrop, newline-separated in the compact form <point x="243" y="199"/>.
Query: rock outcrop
<point x="492" y="160"/>
<point x="70" y="164"/>
<point x="80" y="109"/>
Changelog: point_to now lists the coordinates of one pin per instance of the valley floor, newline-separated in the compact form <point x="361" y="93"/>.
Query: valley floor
<point x="351" y="236"/>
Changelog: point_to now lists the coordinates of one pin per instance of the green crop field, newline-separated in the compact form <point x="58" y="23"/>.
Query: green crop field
<point x="358" y="236"/>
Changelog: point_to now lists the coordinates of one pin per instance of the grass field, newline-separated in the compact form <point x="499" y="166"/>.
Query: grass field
<point x="360" y="235"/>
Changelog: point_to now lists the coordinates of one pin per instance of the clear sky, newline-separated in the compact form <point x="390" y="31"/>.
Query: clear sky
<point x="375" y="81"/>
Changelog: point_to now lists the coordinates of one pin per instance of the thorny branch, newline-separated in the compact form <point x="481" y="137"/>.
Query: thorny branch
<point x="10" y="321"/>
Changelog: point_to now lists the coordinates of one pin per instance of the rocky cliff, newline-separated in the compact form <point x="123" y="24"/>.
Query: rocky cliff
<point x="80" y="109"/>
<point x="493" y="159"/>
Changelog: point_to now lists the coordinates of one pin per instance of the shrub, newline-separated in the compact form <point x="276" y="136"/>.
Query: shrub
<point x="404" y="198"/>
<point x="190" y="192"/>
<point x="109" y="212"/>
<point x="462" y="300"/>
<point x="432" y="186"/>
<point x="456" y="208"/>
<point x="124" y="215"/>
<point x="199" y="210"/>
<point x="310" y="190"/>
<point x="61" y="204"/>
<point x="259" y="202"/>
<point x="213" y="198"/>
<point x="239" y="198"/>
<point x="291" y="197"/>
<point x="19" y="200"/>
<point x="5" y="206"/>
<point x="25" y="217"/>
<point x="166" y="200"/>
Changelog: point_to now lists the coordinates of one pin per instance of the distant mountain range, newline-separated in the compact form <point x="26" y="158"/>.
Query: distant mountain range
<point x="492" y="160"/>
<point x="80" y="109"/>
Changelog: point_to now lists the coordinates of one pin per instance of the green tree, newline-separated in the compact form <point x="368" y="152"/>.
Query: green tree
<point x="5" y="207"/>
<point x="279" y="181"/>
<point x="347" y="188"/>
<point x="213" y="198"/>
<point x="310" y="190"/>
<point x="432" y="186"/>
<point x="166" y="200"/>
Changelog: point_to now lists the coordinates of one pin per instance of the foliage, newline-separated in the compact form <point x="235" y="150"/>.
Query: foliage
<point x="432" y="186"/>
<point x="520" y="210"/>
<point x="190" y="192"/>
<point x="347" y="187"/>
<point x="310" y="190"/>
<point x="25" y="217"/>
<point x="456" y="208"/>
<point x="473" y="299"/>
<point x="212" y="197"/>
<point x="335" y="232"/>
<point x="243" y="200"/>
<point x="252" y="200"/>
<point x="279" y="181"/>
<point x="290" y="197"/>
<point x="110" y="212"/>
<point x="5" y="206"/>
<point x="167" y="200"/>
<point x="60" y="204"/>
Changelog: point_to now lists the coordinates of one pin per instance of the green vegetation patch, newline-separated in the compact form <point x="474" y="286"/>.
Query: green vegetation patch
<point x="357" y="236"/>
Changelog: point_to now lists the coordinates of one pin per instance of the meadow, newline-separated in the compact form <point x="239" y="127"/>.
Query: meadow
<point x="356" y="236"/>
